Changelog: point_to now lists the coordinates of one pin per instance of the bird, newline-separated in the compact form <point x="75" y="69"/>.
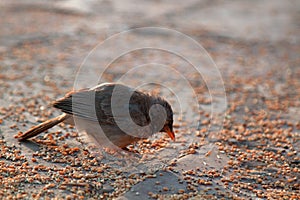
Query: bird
<point x="111" y="113"/>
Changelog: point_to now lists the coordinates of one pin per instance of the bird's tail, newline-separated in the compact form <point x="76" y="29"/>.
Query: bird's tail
<point x="42" y="127"/>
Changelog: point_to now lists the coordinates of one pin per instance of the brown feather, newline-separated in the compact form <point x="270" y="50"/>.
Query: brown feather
<point x="43" y="127"/>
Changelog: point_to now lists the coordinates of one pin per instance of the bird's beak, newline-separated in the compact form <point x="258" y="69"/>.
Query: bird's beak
<point x="169" y="132"/>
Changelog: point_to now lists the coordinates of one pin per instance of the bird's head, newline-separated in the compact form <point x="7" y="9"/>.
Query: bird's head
<point x="168" y="125"/>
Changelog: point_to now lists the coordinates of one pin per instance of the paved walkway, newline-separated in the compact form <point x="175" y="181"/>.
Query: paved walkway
<point x="246" y="147"/>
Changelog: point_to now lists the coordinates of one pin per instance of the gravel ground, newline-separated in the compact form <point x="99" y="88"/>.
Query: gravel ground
<point x="249" y="150"/>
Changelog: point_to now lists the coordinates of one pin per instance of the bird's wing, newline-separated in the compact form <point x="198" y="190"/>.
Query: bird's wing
<point x="80" y="104"/>
<point x="96" y="105"/>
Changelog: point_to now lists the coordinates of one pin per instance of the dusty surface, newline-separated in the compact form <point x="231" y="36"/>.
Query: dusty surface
<point x="255" y="45"/>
